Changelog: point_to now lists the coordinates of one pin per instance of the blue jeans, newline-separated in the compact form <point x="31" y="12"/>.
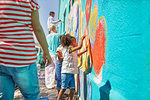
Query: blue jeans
<point x="67" y="80"/>
<point x="24" y="77"/>
<point x="58" y="74"/>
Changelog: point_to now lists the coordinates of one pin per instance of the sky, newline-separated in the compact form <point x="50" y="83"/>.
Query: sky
<point x="45" y="7"/>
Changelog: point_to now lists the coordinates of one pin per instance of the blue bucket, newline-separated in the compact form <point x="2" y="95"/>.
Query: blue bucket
<point x="45" y="98"/>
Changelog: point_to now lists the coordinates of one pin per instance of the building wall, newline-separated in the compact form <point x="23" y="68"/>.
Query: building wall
<point x="116" y="66"/>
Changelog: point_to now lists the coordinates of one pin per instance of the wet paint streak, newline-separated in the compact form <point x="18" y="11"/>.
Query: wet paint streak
<point x="88" y="10"/>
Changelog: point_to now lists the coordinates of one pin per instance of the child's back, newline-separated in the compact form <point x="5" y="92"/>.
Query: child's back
<point x="68" y="65"/>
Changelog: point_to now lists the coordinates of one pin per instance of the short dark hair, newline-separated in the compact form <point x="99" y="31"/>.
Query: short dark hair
<point x="65" y="40"/>
<point x="51" y="12"/>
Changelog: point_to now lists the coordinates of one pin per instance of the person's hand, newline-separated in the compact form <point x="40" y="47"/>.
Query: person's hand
<point x="59" y="53"/>
<point x="86" y="47"/>
<point x="59" y="20"/>
<point x="83" y="37"/>
<point x="47" y="59"/>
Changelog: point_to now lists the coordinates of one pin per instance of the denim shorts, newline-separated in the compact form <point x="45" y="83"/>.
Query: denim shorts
<point x="24" y="77"/>
<point x="67" y="80"/>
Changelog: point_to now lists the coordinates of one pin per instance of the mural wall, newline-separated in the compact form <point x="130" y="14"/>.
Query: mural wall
<point x="116" y="66"/>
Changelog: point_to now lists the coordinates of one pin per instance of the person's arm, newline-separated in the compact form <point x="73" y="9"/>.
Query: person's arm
<point x="60" y="58"/>
<point x="59" y="54"/>
<point x="79" y="46"/>
<point x="51" y="20"/>
<point x="80" y="53"/>
<point x="39" y="33"/>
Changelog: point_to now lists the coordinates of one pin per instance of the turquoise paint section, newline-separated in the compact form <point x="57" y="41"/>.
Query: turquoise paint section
<point x="127" y="26"/>
<point x="64" y="7"/>
<point x="126" y="73"/>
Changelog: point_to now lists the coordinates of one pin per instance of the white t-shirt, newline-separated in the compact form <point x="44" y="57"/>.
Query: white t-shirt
<point x="70" y="61"/>
<point x="51" y="21"/>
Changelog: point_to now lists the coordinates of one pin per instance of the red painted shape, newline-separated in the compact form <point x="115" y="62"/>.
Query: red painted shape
<point x="88" y="10"/>
<point x="97" y="53"/>
<point x="98" y="50"/>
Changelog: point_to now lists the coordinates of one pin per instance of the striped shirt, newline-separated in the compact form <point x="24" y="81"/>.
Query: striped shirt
<point x="17" y="47"/>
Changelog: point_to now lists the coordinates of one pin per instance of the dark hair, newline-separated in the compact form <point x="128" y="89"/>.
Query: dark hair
<point x="60" y="37"/>
<point x="69" y="35"/>
<point x="51" y="12"/>
<point x="65" y="40"/>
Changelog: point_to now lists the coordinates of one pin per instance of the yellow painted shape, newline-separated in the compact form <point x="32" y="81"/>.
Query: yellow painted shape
<point x="92" y="23"/>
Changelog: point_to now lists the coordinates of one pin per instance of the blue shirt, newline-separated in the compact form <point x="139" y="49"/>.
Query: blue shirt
<point x="53" y="43"/>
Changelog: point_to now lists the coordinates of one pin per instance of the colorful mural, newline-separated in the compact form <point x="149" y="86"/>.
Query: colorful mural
<point x="72" y="25"/>
<point x="92" y="23"/>
<point x="114" y="31"/>
<point x="98" y="30"/>
<point x="89" y="89"/>
<point x="95" y="30"/>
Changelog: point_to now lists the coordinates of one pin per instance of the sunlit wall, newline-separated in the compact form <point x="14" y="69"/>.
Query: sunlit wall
<point x="117" y="64"/>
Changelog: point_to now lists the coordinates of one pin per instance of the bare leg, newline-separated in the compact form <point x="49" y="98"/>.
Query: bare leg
<point x="71" y="94"/>
<point x="58" y="91"/>
<point x="76" y="83"/>
<point x="61" y="92"/>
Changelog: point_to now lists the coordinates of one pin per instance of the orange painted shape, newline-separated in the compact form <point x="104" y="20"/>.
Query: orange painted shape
<point x="88" y="10"/>
<point x="98" y="50"/>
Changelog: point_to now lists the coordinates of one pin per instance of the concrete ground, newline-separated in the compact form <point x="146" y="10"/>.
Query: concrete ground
<point x="45" y="93"/>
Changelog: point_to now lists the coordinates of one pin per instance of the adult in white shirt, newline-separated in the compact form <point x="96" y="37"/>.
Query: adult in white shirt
<point x="51" y="20"/>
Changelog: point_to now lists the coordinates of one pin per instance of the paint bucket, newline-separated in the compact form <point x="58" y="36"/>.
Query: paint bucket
<point x="45" y="98"/>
